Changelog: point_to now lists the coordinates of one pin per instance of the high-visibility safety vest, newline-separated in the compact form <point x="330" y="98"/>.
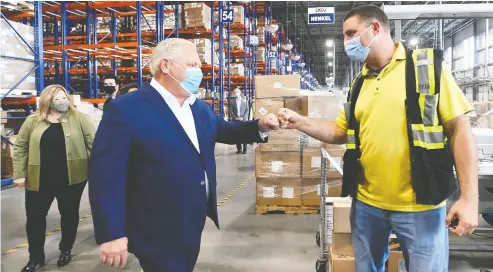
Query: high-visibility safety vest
<point x="431" y="159"/>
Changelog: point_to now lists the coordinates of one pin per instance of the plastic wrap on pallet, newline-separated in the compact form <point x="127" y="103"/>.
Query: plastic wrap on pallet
<point x="236" y="42"/>
<point x="283" y="140"/>
<point x="11" y="72"/>
<point x="197" y="15"/>
<point x="483" y="115"/>
<point x="11" y="44"/>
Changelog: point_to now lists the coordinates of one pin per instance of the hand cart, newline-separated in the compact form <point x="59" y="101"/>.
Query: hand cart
<point x="324" y="237"/>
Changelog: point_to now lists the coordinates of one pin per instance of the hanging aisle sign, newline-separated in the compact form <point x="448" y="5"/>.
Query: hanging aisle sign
<point x="323" y="15"/>
<point x="227" y="15"/>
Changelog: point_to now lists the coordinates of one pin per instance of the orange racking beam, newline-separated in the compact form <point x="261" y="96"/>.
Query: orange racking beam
<point x="98" y="5"/>
<point x="92" y="46"/>
<point x="19" y="101"/>
<point x="94" y="100"/>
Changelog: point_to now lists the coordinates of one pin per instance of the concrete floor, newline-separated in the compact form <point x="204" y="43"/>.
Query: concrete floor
<point x="246" y="242"/>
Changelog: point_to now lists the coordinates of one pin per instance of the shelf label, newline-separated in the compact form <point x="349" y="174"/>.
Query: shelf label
<point x="272" y="54"/>
<point x="321" y="15"/>
<point x="227" y="15"/>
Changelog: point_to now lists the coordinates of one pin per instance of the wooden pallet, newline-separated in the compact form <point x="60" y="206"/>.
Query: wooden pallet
<point x="275" y="209"/>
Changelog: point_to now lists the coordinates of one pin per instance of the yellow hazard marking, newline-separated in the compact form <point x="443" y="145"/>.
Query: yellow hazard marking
<point x="47" y="234"/>
<point x="89" y="215"/>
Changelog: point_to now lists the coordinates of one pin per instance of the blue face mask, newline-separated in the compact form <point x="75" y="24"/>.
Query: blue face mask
<point x="192" y="80"/>
<point x="355" y="51"/>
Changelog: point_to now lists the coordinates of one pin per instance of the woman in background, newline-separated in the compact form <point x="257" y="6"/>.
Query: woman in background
<point x="51" y="156"/>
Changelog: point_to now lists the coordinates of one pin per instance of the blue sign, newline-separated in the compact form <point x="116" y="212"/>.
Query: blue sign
<point x="324" y="15"/>
<point x="272" y="54"/>
<point x="227" y="16"/>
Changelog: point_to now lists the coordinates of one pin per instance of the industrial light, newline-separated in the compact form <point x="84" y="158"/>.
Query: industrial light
<point x="330" y="64"/>
<point x="329" y="43"/>
<point x="413" y="42"/>
<point x="330" y="54"/>
<point x="302" y="64"/>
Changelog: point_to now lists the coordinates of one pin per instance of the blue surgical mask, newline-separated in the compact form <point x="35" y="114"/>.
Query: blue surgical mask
<point x="192" y="80"/>
<point x="355" y="51"/>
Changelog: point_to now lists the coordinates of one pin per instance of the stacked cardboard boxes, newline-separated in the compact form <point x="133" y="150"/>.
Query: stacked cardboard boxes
<point x="237" y="69"/>
<point x="278" y="163"/>
<point x="292" y="158"/>
<point x="236" y="42"/>
<point x="197" y="15"/>
<point x="7" y="154"/>
<point x="13" y="70"/>
<point x="341" y="249"/>
<point x="204" y="49"/>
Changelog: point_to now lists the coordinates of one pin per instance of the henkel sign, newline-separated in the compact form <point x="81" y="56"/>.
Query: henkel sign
<point x="322" y="15"/>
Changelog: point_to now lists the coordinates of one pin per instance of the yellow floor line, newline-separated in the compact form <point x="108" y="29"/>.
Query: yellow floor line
<point x="89" y="215"/>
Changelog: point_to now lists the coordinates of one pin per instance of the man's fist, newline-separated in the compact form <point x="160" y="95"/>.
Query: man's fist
<point x="20" y="182"/>
<point x="288" y="118"/>
<point x="268" y="123"/>
<point x="114" y="253"/>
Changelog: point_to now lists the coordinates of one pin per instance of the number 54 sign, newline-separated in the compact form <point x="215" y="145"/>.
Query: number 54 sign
<point x="227" y="15"/>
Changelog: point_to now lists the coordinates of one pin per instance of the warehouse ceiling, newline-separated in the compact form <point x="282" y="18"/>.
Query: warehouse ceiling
<point x="312" y="38"/>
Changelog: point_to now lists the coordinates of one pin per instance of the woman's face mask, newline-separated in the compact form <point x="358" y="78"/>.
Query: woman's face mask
<point x="60" y="104"/>
<point x="355" y="50"/>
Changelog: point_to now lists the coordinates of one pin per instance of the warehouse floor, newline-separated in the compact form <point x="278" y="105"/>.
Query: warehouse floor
<point x="246" y="242"/>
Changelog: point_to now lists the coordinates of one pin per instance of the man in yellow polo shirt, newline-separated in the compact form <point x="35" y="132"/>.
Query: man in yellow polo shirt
<point x="386" y="199"/>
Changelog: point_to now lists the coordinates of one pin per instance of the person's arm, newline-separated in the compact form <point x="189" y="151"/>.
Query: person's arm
<point x="108" y="176"/>
<point x="328" y="132"/>
<point x="245" y="106"/>
<point x="21" y="151"/>
<point x="88" y="130"/>
<point x="245" y="132"/>
<point x="453" y="106"/>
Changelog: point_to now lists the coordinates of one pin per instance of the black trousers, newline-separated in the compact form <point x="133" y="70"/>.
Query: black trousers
<point x="37" y="206"/>
<point x="238" y="146"/>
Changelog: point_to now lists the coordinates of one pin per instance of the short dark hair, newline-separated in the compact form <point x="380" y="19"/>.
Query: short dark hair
<point x="125" y="88"/>
<point x="368" y="13"/>
<point x="117" y="80"/>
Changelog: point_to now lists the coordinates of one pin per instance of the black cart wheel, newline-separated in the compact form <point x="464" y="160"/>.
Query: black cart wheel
<point x="317" y="238"/>
<point x="321" y="266"/>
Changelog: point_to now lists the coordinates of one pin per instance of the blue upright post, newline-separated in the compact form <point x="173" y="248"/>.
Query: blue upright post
<point x="245" y="64"/>
<point x="139" y="43"/>
<point x="158" y="21"/>
<point x="221" y="60"/>
<point x="64" y="43"/>
<point x="213" y="80"/>
<point x="89" y="91"/>
<point x="229" y="62"/>
<point x="95" y="59"/>
<point x="57" y="42"/>
<point x="38" y="46"/>
<point x="177" y="22"/>
<point x="113" y="40"/>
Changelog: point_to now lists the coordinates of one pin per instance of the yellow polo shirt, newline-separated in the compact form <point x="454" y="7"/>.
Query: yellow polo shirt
<point x="381" y="113"/>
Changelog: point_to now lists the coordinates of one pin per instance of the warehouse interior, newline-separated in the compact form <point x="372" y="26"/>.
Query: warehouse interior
<point x="246" y="45"/>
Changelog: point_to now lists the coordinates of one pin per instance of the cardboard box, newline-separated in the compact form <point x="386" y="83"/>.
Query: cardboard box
<point x="282" y="140"/>
<point x="396" y="262"/>
<point x="6" y="164"/>
<point x="3" y="116"/>
<point x="277" y="86"/>
<point x="342" y="211"/>
<point x="317" y="105"/>
<point x="312" y="162"/>
<point x="277" y="165"/>
<point x="265" y="106"/>
<point x="342" y="244"/>
<point x="341" y="263"/>
<point x="310" y="190"/>
<point x="283" y="192"/>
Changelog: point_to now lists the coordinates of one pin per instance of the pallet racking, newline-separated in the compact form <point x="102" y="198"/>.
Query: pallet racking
<point x="71" y="49"/>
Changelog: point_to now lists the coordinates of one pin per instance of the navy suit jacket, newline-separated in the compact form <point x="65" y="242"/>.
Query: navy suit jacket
<point x="146" y="177"/>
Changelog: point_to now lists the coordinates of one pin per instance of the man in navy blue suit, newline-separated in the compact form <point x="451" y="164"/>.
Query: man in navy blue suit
<point x="153" y="172"/>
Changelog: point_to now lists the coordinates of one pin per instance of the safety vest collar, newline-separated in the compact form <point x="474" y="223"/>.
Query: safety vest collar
<point x="399" y="54"/>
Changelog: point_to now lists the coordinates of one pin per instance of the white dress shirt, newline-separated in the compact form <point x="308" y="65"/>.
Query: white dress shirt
<point x="238" y="106"/>
<point x="185" y="116"/>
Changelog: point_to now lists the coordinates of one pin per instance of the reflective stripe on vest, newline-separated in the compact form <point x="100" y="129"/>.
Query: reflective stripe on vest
<point x="351" y="140"/>
<point x="428" y="137"/>
<point x="347" y="111"/>
<point x="425" y="84"/>
<point x="429" y="134"/>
